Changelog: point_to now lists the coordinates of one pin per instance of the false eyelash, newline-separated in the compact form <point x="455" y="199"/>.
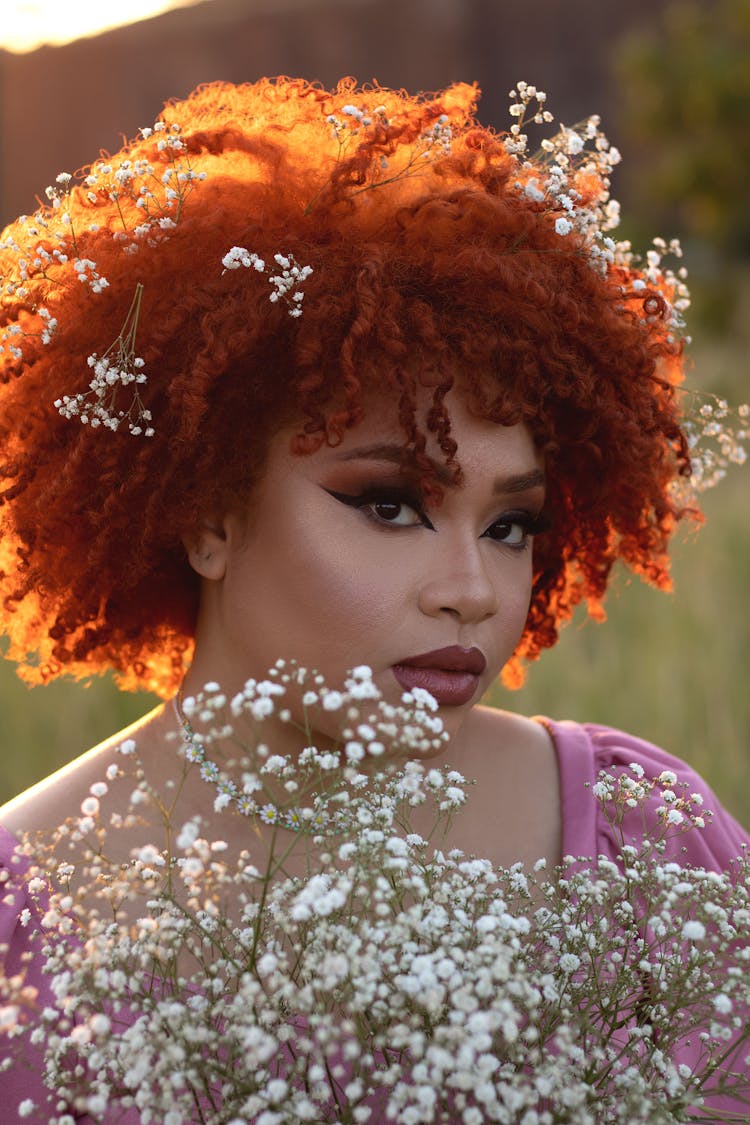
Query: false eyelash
<point x="390" y="494"/>
<point x="534" y="525"/>
<point x="383" y="494"/>
<point x="530" y="524"/>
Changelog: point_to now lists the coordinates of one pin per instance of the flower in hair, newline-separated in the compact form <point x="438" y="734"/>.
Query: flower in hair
<point x="157" y="191"/>
<point x="118" y="368"/>
<point x="285" y="284"/>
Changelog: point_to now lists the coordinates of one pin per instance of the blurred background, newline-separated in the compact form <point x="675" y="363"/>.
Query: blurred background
<point x="671" y="81"/>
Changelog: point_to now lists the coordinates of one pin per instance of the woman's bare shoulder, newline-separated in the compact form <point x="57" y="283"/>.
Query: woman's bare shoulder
<point x="513" y="809"/>
<point x="51" y="801"/>
<point x="495" y="730"/>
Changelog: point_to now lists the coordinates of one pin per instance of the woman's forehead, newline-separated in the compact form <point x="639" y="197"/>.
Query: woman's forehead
<point x="476" y="442"/>
<point x="385" y="409"/>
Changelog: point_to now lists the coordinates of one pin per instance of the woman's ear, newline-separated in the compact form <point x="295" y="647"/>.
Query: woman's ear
<point x="207" y="551"/>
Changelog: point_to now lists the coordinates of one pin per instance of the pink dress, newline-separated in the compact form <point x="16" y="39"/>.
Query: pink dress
<point x="582" y="751"/>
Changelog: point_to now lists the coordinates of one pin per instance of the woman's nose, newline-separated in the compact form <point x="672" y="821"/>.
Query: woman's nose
<point x="458" y="583"/>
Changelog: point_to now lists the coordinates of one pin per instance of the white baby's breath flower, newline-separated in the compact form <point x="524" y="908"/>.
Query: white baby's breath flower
<point x="285" y="285"/>
<point x="149" y="855"/>
<point x="100" y="1024"/>
<point x="188" y="834"/>
<point x="332" y="701"/>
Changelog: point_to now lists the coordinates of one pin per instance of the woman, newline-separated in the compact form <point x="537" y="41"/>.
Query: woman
<point x="370" y="386"/>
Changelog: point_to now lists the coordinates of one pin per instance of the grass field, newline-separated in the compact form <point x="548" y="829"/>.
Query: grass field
<point x="671" y="668"/>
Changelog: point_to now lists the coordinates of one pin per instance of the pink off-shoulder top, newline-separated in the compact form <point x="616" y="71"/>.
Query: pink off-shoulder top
<point x="583" y="750"/>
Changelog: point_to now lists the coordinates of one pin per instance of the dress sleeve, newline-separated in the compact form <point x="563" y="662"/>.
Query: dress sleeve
<point x="715" y="847"/>
<point x="584" y="750"/>
<point x="20" y="953"/>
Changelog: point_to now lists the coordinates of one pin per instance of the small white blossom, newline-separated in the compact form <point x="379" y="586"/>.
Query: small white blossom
<point x="286" y="285"/>
<point x="693" y="930"/>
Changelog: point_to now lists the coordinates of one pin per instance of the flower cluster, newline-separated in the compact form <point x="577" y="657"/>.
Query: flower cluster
<point x="158" y="195"/>
<point x="620" y="794"/>
<point x="329" y="780"/>
<point x="569" y="175"/>
<point x="118" y="367"/>
<point x="717" y="436"/>
<point x="380" y="978"/>
<point x="354" y="122"/>
<point x="285" y="283"/>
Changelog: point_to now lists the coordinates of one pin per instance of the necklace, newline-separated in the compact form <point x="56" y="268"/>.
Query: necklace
<point x="229" y="793"/>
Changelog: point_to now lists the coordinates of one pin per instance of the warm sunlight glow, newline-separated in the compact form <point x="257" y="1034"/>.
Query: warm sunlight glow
<point x="26" y="24"/>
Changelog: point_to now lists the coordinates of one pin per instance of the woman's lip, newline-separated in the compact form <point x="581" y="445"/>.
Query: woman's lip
<point x="453" y="658"/>
<point x="452" y="689"/>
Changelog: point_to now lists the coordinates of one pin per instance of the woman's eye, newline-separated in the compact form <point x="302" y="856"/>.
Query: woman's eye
<point x="392" y="509"/>
<point x="514" y="534"/>
<point x="396" y="512"/>
<point x="516" y="529"/>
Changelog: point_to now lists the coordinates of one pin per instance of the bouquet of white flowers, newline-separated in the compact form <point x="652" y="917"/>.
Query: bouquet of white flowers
<point x="379" y="979"/>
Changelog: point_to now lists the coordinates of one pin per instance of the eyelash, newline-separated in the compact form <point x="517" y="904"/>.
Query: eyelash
<point x="530" y="523"/>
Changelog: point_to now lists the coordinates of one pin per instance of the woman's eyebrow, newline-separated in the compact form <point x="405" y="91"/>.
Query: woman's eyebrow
<point x="394" y="455"/>
<point x="521" y="482"/>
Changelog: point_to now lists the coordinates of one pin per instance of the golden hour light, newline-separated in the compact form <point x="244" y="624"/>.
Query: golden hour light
<point x="28" y="24"/>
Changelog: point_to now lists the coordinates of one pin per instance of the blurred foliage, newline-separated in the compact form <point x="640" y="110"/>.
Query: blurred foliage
<point x="684" y="104"/>
<point x="686" y="97"/>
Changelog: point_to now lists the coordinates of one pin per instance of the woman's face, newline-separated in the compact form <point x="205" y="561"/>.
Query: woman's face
<point x="340" y="561"/>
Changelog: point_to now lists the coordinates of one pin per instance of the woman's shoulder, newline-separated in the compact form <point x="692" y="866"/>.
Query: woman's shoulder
<point x="584" y="750"/>
<point x="51" y="801"/>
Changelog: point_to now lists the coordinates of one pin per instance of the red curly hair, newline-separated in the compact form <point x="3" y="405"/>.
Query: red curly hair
<point x="429" y="265"/>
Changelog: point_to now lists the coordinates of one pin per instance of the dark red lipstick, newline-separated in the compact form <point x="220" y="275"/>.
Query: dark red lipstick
<point x="449" y="674"/>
